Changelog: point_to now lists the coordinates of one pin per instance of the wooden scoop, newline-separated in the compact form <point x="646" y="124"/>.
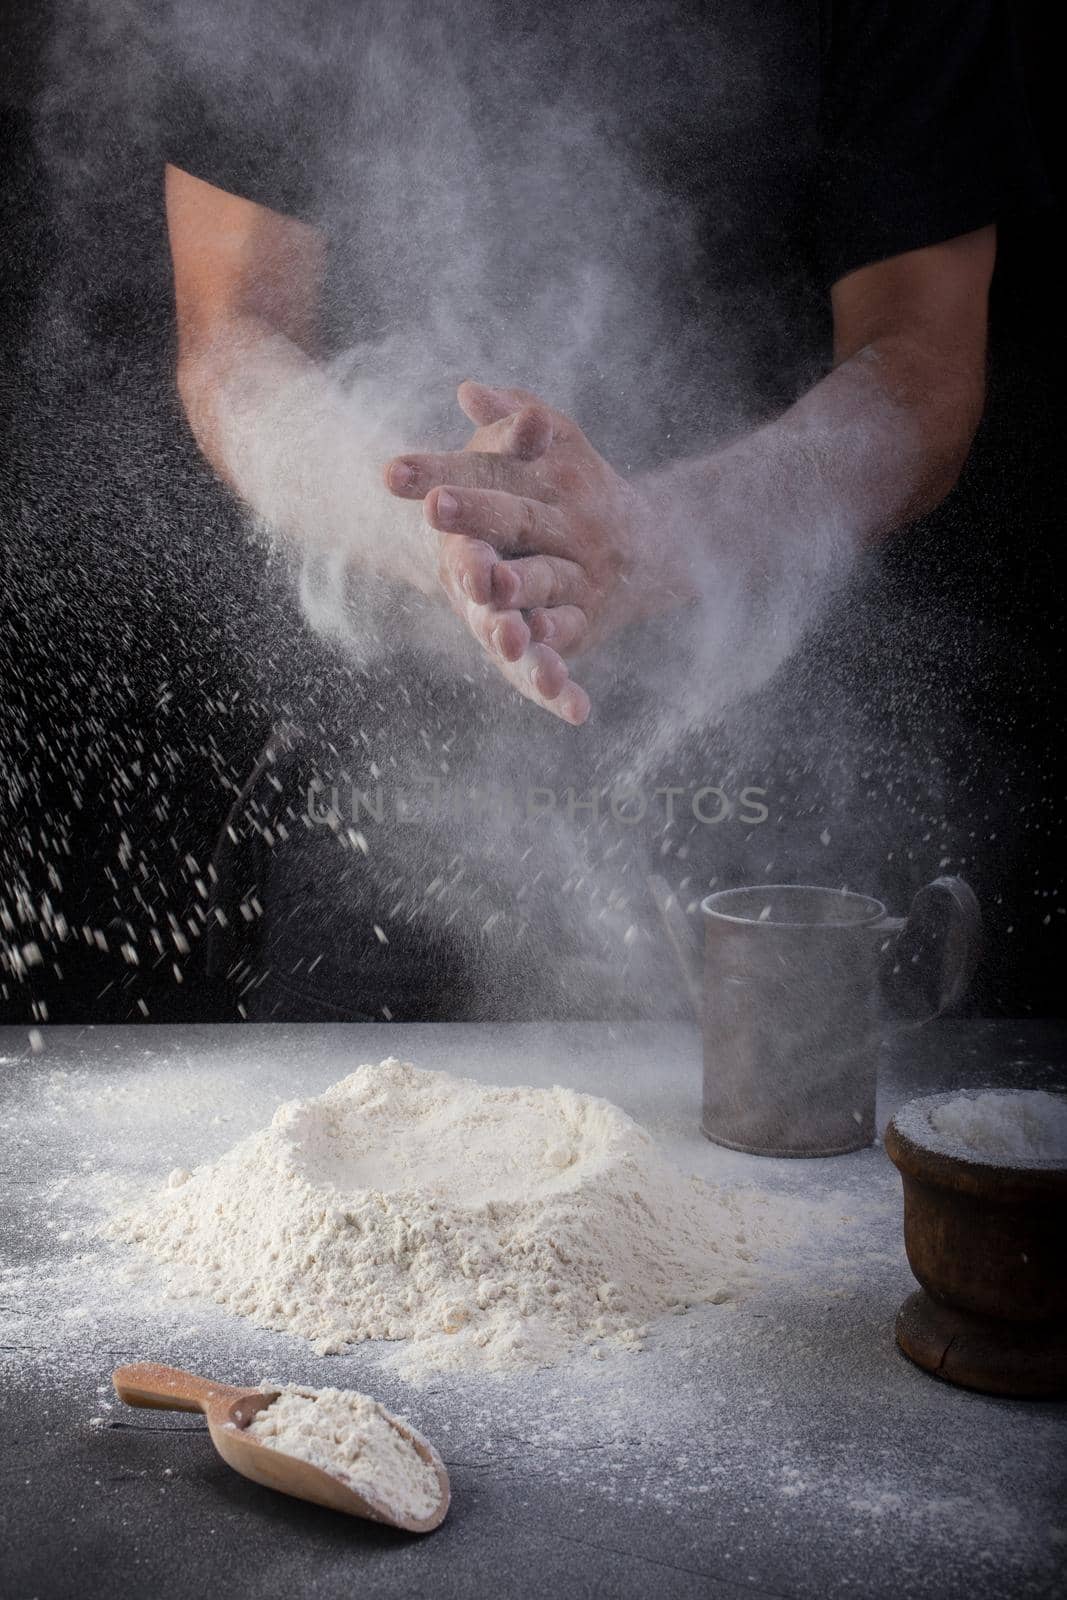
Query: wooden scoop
<point x="229" y="1411"/>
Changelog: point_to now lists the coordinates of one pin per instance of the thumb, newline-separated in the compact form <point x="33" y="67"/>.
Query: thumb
<point x="483" y="403"/>
<point x="528" y="433"/>
<point x="524" y="434"/>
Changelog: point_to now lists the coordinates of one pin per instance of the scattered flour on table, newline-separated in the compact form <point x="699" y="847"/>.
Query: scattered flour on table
<point x="354" y="1438"/>
<point x="486" y="1226"/>
<point x="762" y="1412"/>
<point x="1021" y="1124"/>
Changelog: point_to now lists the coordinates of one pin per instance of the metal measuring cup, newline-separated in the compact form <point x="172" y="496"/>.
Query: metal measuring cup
<point x="792" y="996"/>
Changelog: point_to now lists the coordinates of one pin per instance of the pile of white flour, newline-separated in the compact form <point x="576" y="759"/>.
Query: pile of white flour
<point x="492" y="1227"/>
<point x="355" y="1439"/>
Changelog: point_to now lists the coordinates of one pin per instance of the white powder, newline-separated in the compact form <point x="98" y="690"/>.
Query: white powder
<point x="704" y="1424"/>
<point x="355" y="1439"/>
<point x="492" y="1227"/>
<point x="1018" y="1125"/>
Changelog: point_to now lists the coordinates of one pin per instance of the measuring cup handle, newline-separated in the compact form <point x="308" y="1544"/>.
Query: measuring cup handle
<point x="961" y="942"/>
<point x="963" y="937"/>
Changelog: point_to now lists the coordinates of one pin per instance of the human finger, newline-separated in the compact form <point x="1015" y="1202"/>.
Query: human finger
<point x="565" y="628"/>
<point x="525" y="434"/>
<point x="461" y="571"/>
<point x="508" y="522"/>
<point x="543" y="678"/>
<point x="538" y="580"/>
<point x="411" y="477"/>
<point x="484" y="403"/>
<point x="465" y="567"/>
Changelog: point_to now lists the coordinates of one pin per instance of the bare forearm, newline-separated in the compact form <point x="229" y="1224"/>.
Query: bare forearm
<point x="760" y="534"/>
<point x="877" y="443"/>
<point x="301" y="453"/>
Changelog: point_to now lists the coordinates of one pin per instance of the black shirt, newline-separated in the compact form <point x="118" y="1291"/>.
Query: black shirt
<point x="666" y="188"/>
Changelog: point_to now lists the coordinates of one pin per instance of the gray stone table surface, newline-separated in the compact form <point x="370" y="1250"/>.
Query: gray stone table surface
<point x="780" y="1446"/>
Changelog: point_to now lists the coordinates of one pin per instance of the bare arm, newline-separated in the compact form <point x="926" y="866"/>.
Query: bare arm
<point x="910" y="351"/>
<point x="281" y="432"/>
<point x="879" y="441"/>
<point x="266" y="414"/>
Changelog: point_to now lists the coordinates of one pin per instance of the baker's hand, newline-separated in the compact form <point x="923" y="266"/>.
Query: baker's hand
<point x="505" y="449"/>
<point x="546" y="550"/>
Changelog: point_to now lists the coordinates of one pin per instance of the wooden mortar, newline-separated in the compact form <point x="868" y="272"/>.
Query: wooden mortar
<point x="987" y="1241"/>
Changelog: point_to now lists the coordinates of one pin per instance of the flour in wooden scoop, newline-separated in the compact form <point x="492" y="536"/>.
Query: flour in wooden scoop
<point x="353" y="1438"/>
<point x="484" y="1226"/>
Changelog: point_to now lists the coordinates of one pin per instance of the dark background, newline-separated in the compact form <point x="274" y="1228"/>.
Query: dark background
<point x="136" y="692"/>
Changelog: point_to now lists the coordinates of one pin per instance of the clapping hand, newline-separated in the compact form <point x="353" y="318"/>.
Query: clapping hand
<point x="545" y="550"/>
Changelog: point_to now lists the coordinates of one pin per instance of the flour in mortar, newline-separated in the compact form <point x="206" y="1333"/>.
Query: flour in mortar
<point x="488" y="1226"/>
<point x="356" y="1440"/>
<point x="1013" y="1125"/>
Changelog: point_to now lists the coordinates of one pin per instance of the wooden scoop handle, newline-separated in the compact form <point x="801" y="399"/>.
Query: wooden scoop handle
<point x="170" y="1389"/>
